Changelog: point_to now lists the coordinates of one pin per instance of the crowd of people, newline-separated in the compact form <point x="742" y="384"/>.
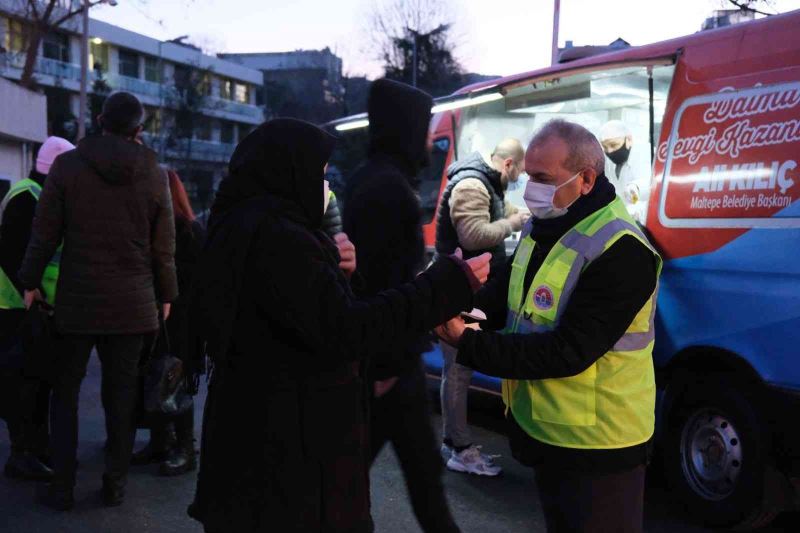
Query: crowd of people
<point x="310" y="317"/>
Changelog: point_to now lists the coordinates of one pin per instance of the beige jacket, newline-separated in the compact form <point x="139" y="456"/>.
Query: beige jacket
<point x="470" y="208"/>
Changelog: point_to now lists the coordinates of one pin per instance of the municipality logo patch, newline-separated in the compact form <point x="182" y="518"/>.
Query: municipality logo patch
<point x="543" y="297"/>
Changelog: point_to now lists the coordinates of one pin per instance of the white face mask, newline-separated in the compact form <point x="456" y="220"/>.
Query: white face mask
<point x="326" y="191"/>
<point x="539" y="199"/>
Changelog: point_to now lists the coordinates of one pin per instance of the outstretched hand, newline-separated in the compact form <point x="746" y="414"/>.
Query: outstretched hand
<point x="478" y="265"/>
<point x="452" y="330"/>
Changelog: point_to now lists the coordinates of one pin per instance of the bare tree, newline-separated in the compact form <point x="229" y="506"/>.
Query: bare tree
<point x="44" y="16"/>
<point x="752" y="5"/>
<point x="413" y="39"/>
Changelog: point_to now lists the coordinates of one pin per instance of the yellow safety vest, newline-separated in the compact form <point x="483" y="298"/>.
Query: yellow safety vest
<point x="10" y="298"/>
<point x="612" y="403"/>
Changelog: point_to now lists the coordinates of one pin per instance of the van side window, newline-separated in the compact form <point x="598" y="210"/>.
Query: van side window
<point x="431" y="179"/>
<point x="614" y="104"/>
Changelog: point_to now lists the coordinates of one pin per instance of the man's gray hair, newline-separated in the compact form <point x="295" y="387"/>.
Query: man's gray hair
<point x="584" y="148"/>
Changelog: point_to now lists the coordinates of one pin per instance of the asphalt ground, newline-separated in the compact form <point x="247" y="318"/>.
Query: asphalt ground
<point x="154" y="504"/>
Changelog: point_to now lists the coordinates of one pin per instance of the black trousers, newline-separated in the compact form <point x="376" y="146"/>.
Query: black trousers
<point x="577" y="502"/>
<point x="119" y="357"/>
<point x="26" y="398"/>
<point x="402" y="417"/>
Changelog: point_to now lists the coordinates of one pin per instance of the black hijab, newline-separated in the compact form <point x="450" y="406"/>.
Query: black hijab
<point x="277" y="168"/>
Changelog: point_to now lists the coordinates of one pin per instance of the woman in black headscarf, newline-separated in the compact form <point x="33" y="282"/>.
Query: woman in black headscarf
<point x="283" y="446"/>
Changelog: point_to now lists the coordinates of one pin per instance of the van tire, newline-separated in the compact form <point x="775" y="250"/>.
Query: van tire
<point x="716" y="454"/>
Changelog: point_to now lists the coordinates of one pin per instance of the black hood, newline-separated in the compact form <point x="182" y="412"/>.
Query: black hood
<point x="399" y="116"/>
<point x="116" y="160"/>
<point x="475" y="163"/>
<point x="284" y="158"/>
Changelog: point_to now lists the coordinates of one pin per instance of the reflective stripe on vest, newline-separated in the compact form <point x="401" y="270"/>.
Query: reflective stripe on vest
<point x="612" y="403"/>
<point x="10" y="298"/>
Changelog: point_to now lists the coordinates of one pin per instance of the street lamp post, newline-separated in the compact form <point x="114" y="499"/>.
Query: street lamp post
<point x="556" y="15"/>
<point x="85" y="65"/>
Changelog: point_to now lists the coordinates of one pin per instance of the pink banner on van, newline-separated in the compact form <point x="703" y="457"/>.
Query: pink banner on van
<point x="733" y="156"/>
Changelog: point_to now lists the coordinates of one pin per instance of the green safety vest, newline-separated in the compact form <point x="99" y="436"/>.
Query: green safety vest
<point x="612" y="403"/>
<point x="10" y="298"/>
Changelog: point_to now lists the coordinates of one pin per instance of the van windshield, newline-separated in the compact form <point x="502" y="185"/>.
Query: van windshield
<point x="613" y="104"/>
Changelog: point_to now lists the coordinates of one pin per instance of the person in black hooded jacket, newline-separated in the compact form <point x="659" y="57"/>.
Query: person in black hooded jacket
<point x="383" y="219"/>
<point x="288" y="340"/>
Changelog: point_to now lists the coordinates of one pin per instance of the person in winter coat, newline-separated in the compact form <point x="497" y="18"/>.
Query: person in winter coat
<point x="383" y="219"/>
<point x="570" y="330"/>
<point x="109" y="202"/>
<point x="288" y="339"/>
<point x="474" y="215"/>
<point x="178" y="456"/>
<point x="332" y="221"/>
<point x="29" y="394"/>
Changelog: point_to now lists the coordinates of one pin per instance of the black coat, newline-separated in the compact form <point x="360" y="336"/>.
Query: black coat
<point x="284" y="431"/>
<point x="110" y="203"/>
<point x="382" y="214"/>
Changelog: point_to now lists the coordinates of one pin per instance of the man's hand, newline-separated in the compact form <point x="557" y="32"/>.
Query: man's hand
<point x="452" y="330"/>
<point x="479" y="265"/>
<point x="347" y="252"/>
<point x="165" y="309"/>
<point x="32" y="296"/>
<point x="518" y="220"/>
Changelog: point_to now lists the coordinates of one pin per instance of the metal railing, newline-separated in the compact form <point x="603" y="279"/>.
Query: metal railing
<point x="179" y="148"/>
<point x="46" y="66"/>
<point x="214" y="102"/>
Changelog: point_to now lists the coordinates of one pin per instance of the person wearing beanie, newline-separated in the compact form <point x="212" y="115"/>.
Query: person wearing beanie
<point x="26" y="398"/>
<point x="383" y="219"/>
<point x="109" y="202"/>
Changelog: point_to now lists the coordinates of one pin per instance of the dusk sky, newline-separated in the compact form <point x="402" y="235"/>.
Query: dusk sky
<point x="492" y="36"/>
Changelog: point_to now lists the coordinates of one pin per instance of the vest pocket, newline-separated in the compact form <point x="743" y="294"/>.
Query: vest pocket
<point x="567" y="401"/>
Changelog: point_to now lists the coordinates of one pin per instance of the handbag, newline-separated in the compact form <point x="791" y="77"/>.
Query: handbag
<point x="165" y="387"/>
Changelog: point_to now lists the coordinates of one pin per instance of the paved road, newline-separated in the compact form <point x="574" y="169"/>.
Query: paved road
<point x="157" y="505"/>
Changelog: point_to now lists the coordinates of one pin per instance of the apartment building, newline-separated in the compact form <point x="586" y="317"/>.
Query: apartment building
<point x="198" y="106"/>
<point x="306" y="84"/>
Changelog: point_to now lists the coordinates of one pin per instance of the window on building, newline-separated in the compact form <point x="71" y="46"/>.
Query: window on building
<point x="16" y="39"/>
<point x="128" y="64"/>
<point x="226" y="132"/>
<point x="56" y="46"/>
<point x="226" y="89"/>
<point x="202" y="130"/>
<point x="152" y="72"/>
<point x="152" y="120"/>
<point x="242" y="93"/>
<point x="98" y="55"/>
<point x="244" y="129"/>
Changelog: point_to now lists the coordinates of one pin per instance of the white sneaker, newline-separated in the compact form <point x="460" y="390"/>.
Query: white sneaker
<point x="473" y="461"/>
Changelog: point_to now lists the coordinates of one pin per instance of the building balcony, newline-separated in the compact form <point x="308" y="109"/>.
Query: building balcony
<point x="46" y="66"/>
<point x="140" y="86"/>
<point x="238" y="108"/>
<point x="191" y="150"/>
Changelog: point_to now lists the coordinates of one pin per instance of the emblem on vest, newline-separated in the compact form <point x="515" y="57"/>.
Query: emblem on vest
<point x="543" y="297"/>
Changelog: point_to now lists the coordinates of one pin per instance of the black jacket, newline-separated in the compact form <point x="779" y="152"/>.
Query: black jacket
<point x="382" y="212"/>
<point x="110" y="203"/>
<point x="472" y="167"/>
<point x="185" y="343"/>
<point x="284" y="431"/>
<point x="609" y="294"/>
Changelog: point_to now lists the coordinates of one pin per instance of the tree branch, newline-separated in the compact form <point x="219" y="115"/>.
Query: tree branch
<point x="746" y="7"/>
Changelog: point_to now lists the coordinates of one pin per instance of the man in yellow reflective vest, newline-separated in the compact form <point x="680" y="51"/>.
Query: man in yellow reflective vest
<point x="570" y="330"/>
<point x="28" y="397"/>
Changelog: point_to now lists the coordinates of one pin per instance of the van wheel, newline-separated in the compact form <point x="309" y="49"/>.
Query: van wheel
<point x="716" y="456"/>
